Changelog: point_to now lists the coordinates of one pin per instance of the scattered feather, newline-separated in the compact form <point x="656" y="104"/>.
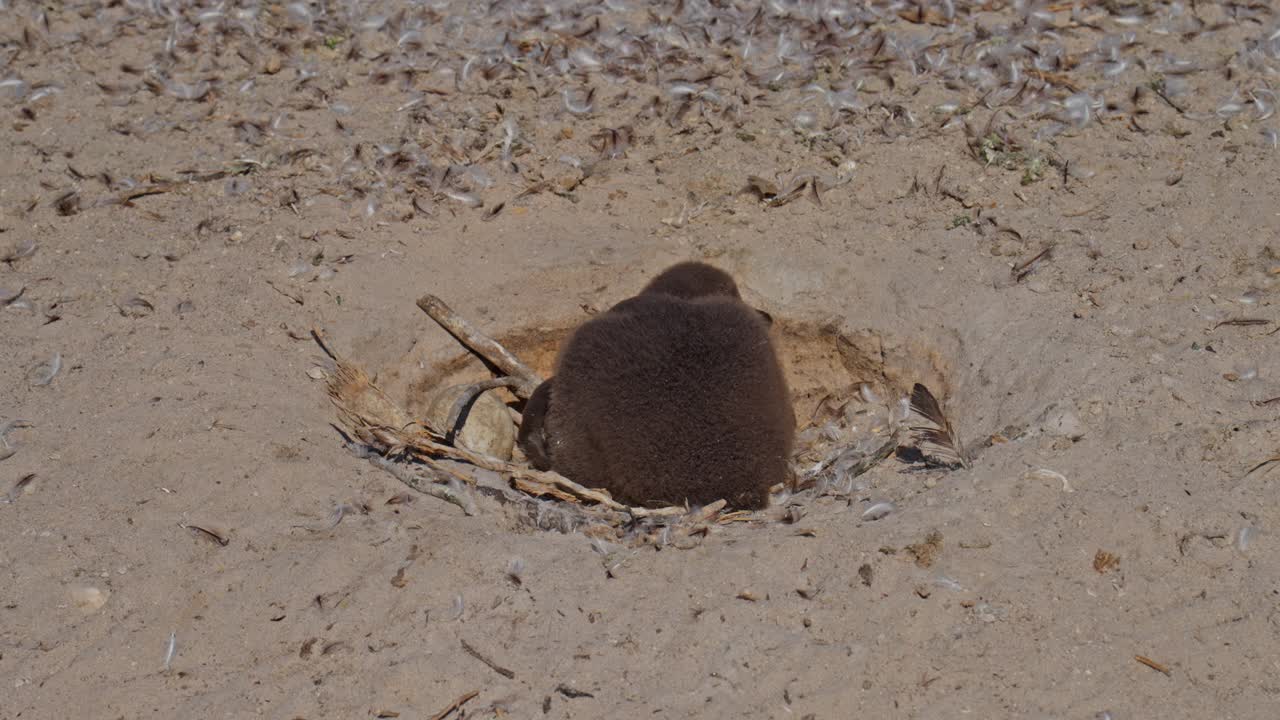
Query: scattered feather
<point x="466" y="198"/>
<point x="515" y="570"/>
<point x="22" y="249"/>
<point x="456" y="608"/>
<point x="1245" y="537"/>
<point x="938" y="443"/>
<point x="465" y="498"/>
<point x="400" y="498"/>
<point x="335" y="517"/>
<point x="44" y="373"/>
<point x="211" y="532"/>
<point x="1047" y="475"/>
<point x="1265" y="463"/>
<point x="8" y="427"/>
<point x="578" y="102"/>
<point x="135" y="306"/>
<point x="19" y="488"/>
<point x="879" y="510"/>
<point x="776" y="193"/>
<point x="67" y="204"/>
<point x="191" y="92"/>
<point x="298" y="267"/>
<point x="170" y="649"/>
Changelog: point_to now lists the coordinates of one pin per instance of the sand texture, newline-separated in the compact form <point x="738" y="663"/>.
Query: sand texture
<point x="1060" y="218"/>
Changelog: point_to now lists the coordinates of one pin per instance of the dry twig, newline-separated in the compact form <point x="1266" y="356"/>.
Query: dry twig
<point x="1157" y="666"/>
<point x="462" y="700"/>
<point x="1264" y="463"/>
<point x="428" y="486"/>
<point x="481" y="344"/>
<point x="492" y="665"/>
<point x="378" y="422"/>
<point x="1242" y="322"/>
<point x="1028" y="267"/>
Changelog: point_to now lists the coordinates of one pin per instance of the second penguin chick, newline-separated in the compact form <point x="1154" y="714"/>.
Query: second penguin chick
<point x="673" y="396"/>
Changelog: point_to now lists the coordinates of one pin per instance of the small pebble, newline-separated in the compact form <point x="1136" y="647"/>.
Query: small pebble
<point x="88" y="599"/>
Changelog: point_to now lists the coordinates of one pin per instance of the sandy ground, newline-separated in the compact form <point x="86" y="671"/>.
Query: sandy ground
<point x="317" y="165"/>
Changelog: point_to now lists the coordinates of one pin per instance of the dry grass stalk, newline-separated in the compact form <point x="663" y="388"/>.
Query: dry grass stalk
<point x="429" y="485"/>
<point x="1022" y="270"/>
<point x="375" y="420"/>
<point x="1263" y="464"/>
<point x="1242" y="322"/>
<point x="504" y="672"/>
<point x="1157" y="666"/>
<point x="456" y="704"/>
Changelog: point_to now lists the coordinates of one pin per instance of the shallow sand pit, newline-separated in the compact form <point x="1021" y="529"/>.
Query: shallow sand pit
<point x="859" y="397"/>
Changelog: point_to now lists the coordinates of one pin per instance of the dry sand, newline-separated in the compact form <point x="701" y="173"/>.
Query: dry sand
<point x="315" y="196"/>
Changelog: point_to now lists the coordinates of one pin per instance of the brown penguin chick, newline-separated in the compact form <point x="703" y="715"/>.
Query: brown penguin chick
<point x="675" y="395"/>
<point x="692" y="280"/>
<point x="532" y="437"/>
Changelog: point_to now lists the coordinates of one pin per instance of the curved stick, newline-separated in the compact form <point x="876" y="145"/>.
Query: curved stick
<point x="482" y="345"/>
<point x="468" y="396"/>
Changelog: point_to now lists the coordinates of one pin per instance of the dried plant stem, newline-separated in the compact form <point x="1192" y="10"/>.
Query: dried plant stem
<point x="1023" y="270"/>
<point x="504" y="672"/>
<point x="1241" y="322"/>
<point x="128" y="196"/>
<point x="375" y="420"/>
<point x="534" y="482"/>
<point x="1157" y="666"/>
<point x="462" y="700"/>
<point x="527" y="480"/>
<point x="1261" y="465"/>
<point x="424" y="485"/>
<point x="481" y="344"/>
<point x="425" y="478"/>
